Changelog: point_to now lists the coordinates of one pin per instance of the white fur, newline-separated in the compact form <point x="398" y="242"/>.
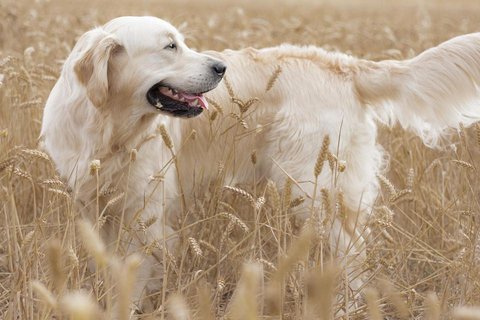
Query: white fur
<point x="434" y="91"/>
<point x="317" y="93"/>
<point x="98" y="110"/>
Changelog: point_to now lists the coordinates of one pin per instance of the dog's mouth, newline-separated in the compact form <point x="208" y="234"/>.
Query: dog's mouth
<point x="176" y="102"/>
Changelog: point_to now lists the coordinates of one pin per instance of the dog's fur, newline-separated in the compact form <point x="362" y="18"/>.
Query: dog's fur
<point x="98" y="110"/>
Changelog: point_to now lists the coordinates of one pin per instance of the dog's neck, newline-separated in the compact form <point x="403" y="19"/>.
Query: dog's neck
<point x="128" y="136"/>
<point x="75" y="133"/>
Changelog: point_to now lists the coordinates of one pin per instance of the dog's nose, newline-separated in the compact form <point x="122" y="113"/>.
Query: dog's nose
<point x="219" y="68"/>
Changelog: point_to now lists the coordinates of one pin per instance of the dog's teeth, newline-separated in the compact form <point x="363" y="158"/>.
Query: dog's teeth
<point x="195" y="103"/>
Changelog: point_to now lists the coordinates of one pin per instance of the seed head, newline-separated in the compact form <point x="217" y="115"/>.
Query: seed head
<point x="94" y="167"/>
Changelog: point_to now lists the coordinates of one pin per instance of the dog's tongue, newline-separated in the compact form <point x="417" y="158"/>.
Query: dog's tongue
<point x="202" y="101"/>
<point x="193" y="100"/>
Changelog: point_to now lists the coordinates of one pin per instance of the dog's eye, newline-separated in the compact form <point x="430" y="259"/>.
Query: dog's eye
<point x="171" y="46"/>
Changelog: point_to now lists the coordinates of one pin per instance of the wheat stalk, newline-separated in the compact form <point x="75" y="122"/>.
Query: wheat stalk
<point x="477" y="129"/>
<point x="195" y="247"/>
<point x="270" y="265"/>
<point x="213" y="115"/>
<point x="59" y="192"/>
<point x="220" y="285"/>
<point x="387" y="236"/>
<point x="231" y="93"/>
<point x="260" y="203"/>
<point x="463" y="164"/>
<point x="28" y="239"/>
<point x="215" y="105"/>
<point x="22" y="174"/>
<point x="287" y="193"/>
<point x="239" y="119"/>
<point x="410" y="178"/>
<point x="94" y="167"/>
<point x="79" y="306"/>
<point x="36" y="153"/>
<point x="114" y="200"/>
<point x="49" y="78"/>
<point x="322" y="155"/>
<point x="321" y="287"/>
<point x="205" y="303"/>
<point x="395" y="298"/>
<point x="178" y="308"/>
<point x="371" y="297"/>
<point x="55" y="264"/>
<point x="208" y="245"/>
<point x="226" y="234"/>
<point x="398" y="195"/>
<point x="53" y="182"/>
<point x="48" y="69"/>
<point x="297" y="251"/>
<point x="297" y="201"/>
<point x="149" y="222"/>
<point x="332" y="161"/>
<point x="273" y="195"/>
<point x="244" y="106"/>
<point x="235" y="220"/>
<point x="325" y="195"/>
<point x="273" y="78"/>
<point x="466" y="313"/>
<point x="167" y="139"/>
<point x="387" y="184"/>
<point x="127" y="278"/>
<point x="340" y="208"/>
<point x="463" y="136"/>
<point x="432" y="307"/>
<point x="253" y="157"/>
<point x="244" y="305"/>
<point x="44" y="294"/>
<point x="73" y="257"/>
<point x="92" y="242"/>
<point x="242" y="193"/>
<point x="31" y="103"/>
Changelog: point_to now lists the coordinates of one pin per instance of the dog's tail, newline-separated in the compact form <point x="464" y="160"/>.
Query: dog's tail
<point x="438" y="89"/>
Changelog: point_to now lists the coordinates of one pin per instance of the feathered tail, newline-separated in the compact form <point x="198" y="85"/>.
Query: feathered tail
<point x="436" y="90"/>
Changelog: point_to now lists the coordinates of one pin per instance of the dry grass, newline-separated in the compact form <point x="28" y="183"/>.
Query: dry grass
<point x="243" y="256"/>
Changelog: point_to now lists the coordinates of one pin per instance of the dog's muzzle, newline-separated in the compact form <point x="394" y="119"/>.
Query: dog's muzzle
<point x="180" y="103"/>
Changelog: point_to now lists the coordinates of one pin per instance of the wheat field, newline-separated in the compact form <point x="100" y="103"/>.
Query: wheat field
<point x="243" y="255"/>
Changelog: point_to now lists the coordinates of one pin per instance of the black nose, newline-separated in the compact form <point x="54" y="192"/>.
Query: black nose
<point x="219" y="68"/>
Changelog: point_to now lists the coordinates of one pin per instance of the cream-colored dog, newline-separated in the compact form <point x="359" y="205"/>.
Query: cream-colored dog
<point x="120" y="82"/>
<point x="124" y="79"/>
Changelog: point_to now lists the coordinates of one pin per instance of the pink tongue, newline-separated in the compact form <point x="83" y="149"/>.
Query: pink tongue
<point x="192" y="97"/>
<point x="188" y="96"/>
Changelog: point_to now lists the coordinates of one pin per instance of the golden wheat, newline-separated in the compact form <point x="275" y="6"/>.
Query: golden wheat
<point x="422" y="233"/>
<point x="322" y="155"/>
<point x="165" y="136"/>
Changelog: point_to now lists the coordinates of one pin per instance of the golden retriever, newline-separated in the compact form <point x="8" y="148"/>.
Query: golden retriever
<point x="124" y="79"/>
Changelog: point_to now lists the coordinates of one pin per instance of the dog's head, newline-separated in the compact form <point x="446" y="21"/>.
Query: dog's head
<point x="143" y="62"/>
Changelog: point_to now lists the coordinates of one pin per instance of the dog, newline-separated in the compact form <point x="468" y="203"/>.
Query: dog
<point x="118" y="85"/>
<point x="133" y="78"/>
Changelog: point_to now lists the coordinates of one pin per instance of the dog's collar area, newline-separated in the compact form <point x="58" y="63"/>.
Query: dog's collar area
<point x="176" y="102"/>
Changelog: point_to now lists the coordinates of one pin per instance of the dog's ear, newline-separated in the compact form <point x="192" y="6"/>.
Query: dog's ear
<point x="97" y="49"/>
